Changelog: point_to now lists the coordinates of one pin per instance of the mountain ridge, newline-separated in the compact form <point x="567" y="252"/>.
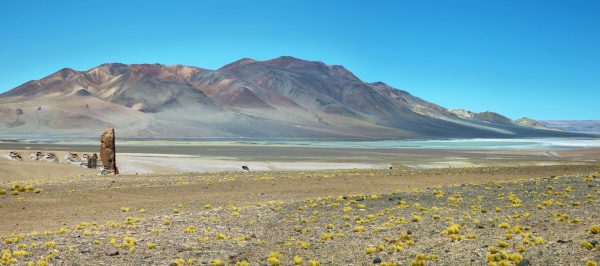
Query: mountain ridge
<point x="280" y="97"/>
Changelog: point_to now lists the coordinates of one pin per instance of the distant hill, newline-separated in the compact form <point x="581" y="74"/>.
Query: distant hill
<point x="284" y="97"/>
<point x="528" y="122"/>
<point x="581" y="126"/>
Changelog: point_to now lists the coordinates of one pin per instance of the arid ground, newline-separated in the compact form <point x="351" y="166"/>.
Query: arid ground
<point x="433" y="207"/>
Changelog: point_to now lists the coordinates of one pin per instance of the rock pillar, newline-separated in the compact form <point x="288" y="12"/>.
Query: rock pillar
<point x="108" y="152"/>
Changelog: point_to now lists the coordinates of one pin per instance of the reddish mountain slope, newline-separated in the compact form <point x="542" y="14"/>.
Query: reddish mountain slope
<point x="284" y="97"/>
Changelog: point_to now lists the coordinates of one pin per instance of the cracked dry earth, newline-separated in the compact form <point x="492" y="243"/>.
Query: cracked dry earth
<point x="538" y="221"/>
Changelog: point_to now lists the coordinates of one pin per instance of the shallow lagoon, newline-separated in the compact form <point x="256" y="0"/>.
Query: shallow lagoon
<point x="525" y="144"/>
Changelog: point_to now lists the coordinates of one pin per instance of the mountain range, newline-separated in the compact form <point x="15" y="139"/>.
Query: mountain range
<point x="285" y="97"/>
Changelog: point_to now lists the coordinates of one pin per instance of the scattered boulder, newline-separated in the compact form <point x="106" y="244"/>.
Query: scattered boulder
<point x="245" y="168"/>
<point x="73" y="158"/>
<point x="35" y="156"/>
<point x="395" y="198"/>
<point x="38" y="156"/>
<point x="19" y="111"/>
<point x="15" y="156"/>
<point x="108" y="152"/>
<point x="39" y="108"/>
<point x="51" y="157"/>
<point x="233" y="258"/>
<point x="86" y="249"/>
<point x="524" y="262"/>
<point x="112" y="252"/>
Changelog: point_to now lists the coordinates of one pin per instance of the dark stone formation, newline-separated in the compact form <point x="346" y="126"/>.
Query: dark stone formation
<point x="92" y="161"/>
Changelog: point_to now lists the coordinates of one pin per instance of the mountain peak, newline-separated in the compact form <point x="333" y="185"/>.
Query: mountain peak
<point x="378" y="83"/>
<point x="238" y="63"/>
<point x="286" y="61"/>
<point x="109" y="65"/>
<point x="113" y="69"/>
<point x="64" y="73"/>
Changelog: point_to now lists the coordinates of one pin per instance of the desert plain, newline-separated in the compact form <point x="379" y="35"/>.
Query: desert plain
<point x="194" y="205"/>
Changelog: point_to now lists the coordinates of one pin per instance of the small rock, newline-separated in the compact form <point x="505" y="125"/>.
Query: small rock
<point x="560" y="241"/>
<point x="395" y="198"/>
<point x="112" y="252"/>
<point x="85" y="250"/>
<point x="377" y="260"/>
<point x="524" y="262"/>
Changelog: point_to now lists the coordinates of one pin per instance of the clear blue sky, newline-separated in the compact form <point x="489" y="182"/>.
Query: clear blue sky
<point x="518" y="57"/>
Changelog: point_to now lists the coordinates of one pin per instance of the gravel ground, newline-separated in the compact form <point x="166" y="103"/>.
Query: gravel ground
<point x="542" y="221"/>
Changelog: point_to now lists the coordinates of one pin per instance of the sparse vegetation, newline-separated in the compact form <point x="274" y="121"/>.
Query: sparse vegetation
<point x="495" y="223"/>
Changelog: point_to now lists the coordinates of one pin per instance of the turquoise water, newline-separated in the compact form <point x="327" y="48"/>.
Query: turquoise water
<point x="528" y="144"/>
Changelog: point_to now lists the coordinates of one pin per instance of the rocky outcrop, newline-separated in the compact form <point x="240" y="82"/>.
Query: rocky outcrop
<point x="85" y="160"/>
<point x="108" y="152"/>
<point x="528" y="122"/>
<point x="462" y="113"/>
